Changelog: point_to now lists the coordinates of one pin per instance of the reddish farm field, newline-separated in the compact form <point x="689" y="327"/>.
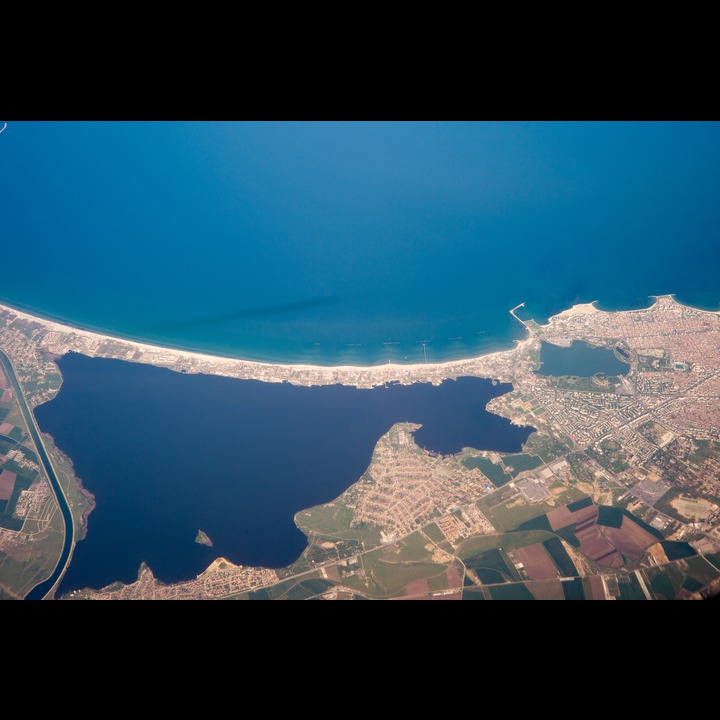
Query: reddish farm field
<point x="546" y="590"/>
<point x="5" y="428"/>
<point x="597" y="588"/>
<point x="594" y="545"/>
<point x="537" y="562"/>
<point x="453" y="577"/>
<point x="417" y="587"/>
<point x="429" y="596"/>
<point x="7" y="483"/>
<point x="333" y="573"/>
<point x="561" y="517"/>
<point x="630" y="538"/>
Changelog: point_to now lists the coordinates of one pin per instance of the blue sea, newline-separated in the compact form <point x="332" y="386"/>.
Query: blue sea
<point x="344" y="242"/>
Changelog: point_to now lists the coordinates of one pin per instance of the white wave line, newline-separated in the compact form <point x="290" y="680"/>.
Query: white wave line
<point x="3" y="127"/>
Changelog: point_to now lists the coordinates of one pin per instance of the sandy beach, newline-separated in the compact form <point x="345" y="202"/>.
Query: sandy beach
<point x="58" y="338"/>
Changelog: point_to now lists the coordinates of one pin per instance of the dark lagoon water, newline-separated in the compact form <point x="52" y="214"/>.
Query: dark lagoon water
<point x="166" y="454"/>
<point x="580" y="360"/>
<point x="353" y="242"/>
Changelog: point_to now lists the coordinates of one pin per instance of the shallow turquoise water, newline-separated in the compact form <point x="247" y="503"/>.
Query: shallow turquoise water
<point x="352" y="242"/>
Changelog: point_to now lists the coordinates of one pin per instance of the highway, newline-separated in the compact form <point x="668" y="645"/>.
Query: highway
<point x="40" y="591"/>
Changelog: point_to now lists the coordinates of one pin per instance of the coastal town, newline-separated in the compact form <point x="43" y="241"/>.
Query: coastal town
<point x="34" y="343"/>
<point x="615" y="495"/>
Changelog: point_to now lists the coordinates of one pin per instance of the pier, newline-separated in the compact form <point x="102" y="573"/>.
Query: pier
<point x="526" y="325"/>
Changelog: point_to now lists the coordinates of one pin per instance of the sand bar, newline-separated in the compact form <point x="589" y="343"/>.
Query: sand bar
<point x="58" y="338"/>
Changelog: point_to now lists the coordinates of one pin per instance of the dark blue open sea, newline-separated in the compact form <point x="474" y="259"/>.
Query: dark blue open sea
<point x="352" y="242"/>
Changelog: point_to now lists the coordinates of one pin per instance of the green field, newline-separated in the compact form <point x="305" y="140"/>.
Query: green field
<point x="487" y="467"/>
<point x="473" y="594"/>
<point x="53" y="379"/>
<point x="663" y="586"/>
<point x="13" y="466"/>
<point x="333" y="521"/>
<point x="259" y="595"/>
<point x="434" y="532"/>
<point x="609" y="516"/>
<point x="569" y="495"/>
<point x="6" y="519"/>
<point x="701" y="569"/>
<point x="567" y="533"/>
<point x="580" y="504"/>
<point x="520" y="463"/>
<point x="506" y="518"/>
<point x="78" y="501"/>
<point x="514" y="540"/>
<point x="393" y="577"/>
<point x="22" y="576"/>
<point x="677" y="550"/>
<point x="10" y="523"/>
<point x="16" y="433"/>
<point x="514" y="591"/>
<point x="438" y="582"/>
<point x="409" y="549"/>
<point x="490" y="567"/>
<point x="642" y="523"/>
<point x="692" y="585"/>
<point x="560" y="557"/>
<point x="630" y="588"/>
<point x="447" y="547"/>
<point x="674" y="574"/>
<point x="539" y="523"/>
<point x="478" y="544"/>
<point x="296" y="592"/>
<point x="308" y="588"/>
<point x="324" y="519"/>
<point x="6" y="443"/>
<point x="573" y="589"/>
<point x="293" y="589"/>
<point x="488" y="576"/>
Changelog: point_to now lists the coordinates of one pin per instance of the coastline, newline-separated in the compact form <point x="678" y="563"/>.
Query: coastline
<point x="685" y="332"/>
<point x="59" y="338"/>
<point x="498" y="345"/>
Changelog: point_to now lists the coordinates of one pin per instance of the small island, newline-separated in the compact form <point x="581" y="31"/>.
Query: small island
<point x="203" y="539"/>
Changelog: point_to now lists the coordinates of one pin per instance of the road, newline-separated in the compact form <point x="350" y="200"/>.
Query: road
<point x="40" y="591"/>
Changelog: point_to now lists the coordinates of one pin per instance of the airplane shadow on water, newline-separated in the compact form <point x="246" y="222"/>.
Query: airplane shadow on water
<point x="166" y="454"/>
<point x="247" y="314"/>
